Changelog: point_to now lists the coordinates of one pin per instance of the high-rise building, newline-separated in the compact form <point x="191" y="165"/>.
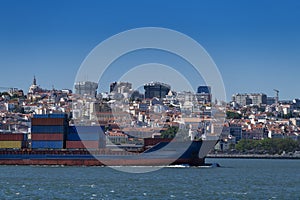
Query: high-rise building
<point x="86" y="88"/>
<point x="257" y="99"/>
<point x="241" y="99"/>
<point x="204" y="94"/>
<point x="271" y="100"/>
<point x="120" y="87"/>
<point x="156" y="89"/>
<point x="204" y="89"/>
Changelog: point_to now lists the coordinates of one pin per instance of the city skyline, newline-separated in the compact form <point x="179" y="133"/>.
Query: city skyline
<point x="254" y="44"/>
<point x="141" y="90"/>
<point x="127" y="85"/>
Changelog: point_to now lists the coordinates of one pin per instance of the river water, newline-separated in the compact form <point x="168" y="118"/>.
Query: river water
<point x="235" y="179"/>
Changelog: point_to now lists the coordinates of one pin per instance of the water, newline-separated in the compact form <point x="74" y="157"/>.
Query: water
<point x="236" y="179"/>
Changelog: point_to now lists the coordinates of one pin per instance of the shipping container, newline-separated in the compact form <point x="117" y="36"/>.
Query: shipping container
<point x="102" y="143"/>
<point x="40" y="116"/>
<point x="48" y="129"/>
<point x="46" y="144"/>
<point x="82" y="144"/>
<point x="58" y="115"/>
<point x="83" y="136"/>
<point x="48" y="121"/>
<point x="12" y="137"/>
<point x="45" y="136"/>
<point x="86" y="129"/>
<point x="72" y="129"/>
<point x="154" y="141"/>
<point x="11" y="144"/>
<point x="54" y="115"/>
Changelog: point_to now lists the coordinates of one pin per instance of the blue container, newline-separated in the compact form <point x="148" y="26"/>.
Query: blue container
<point x="83" y="136"/>
<point x="48" y="129"/>
<point x="86" y="129"/>
<point x="72" y="130"/>
<point x="40" y="116"/>
<point x="54" y="115"/>
<point x="58" y="115"/>
<point x="47" y="145"/>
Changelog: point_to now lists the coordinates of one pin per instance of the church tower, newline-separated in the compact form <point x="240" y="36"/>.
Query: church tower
<point x="34" y="81"/>
<point x="33" y="88"/>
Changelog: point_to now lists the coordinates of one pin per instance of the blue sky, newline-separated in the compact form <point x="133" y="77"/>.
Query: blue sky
<point x="255" y="44"/>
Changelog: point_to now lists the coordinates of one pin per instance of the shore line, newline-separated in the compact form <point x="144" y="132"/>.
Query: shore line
<point x="252" y="156"/>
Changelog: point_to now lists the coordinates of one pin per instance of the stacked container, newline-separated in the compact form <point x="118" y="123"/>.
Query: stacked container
<point x="85" y="137"/>
<point x="49" y="131"/>
<point x="12" y="140"/>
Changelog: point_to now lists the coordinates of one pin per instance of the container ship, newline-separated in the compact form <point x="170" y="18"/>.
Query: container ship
<point x="53" y="142"/>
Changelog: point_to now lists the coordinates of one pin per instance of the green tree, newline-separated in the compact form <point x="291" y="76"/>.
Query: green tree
<point x="270" y="146"/>
<point x="233" y="115"/>
<point x="170" y="132"/>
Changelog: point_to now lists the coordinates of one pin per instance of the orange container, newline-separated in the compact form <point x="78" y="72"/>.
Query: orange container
<point x="11" y="137"/>
<point x="48" y="121"/>
<point x="46" y="136"/>
<point x="82" y="144"/>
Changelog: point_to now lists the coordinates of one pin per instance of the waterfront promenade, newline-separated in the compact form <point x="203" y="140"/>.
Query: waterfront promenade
<point x="255" y="156"/>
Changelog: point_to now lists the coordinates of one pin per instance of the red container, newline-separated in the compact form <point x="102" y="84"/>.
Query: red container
<point x="154" y="141"/>
<point x="82" y="144"/>
<point x="48" y="121"/>
<point x="11" y="137"/>
<point x="46" y="136"/>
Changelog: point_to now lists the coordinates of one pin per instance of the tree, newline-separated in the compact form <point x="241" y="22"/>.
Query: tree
<point x="233" y="115"/>
<point x="270" y="146"/>
<point x="170" y="132"/>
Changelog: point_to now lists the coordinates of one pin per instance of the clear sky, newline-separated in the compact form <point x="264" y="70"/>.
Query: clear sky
<point x="255" y="44"/>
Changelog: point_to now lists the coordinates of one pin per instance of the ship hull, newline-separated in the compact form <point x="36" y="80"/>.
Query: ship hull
<point x="175" y="154"/>
<point x="95" y="162"/>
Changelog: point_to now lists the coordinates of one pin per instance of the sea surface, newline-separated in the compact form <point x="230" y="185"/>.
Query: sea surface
<point x="235" y="179"/>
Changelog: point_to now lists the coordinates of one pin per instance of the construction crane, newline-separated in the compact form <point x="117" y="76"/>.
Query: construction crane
<point x="277" y="96"/>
